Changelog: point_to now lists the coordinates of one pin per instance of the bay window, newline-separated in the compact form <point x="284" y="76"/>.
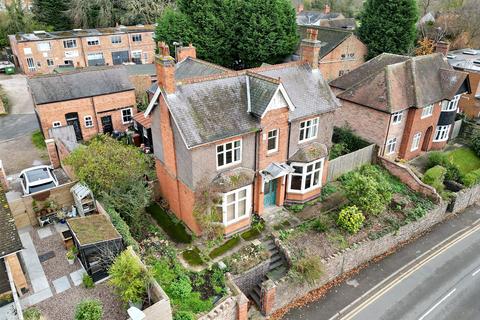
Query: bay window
<point x="452" y="104"/>
<point x="441" y="133"/>
<point x="306" y="176"/>
<point x="229" y="153"/>
<point x="236" y="205"/>
<point x="308" y="130"/>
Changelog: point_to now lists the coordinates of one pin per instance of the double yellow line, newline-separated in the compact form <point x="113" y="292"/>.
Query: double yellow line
<point x="350" y="315"/>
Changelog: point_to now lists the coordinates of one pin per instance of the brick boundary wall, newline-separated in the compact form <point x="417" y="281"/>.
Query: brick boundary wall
<point x="406" y="175"/>
<point x="287" y="290"/>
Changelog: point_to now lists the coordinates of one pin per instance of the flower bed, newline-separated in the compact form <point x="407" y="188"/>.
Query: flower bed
<point x="246" y="258"/>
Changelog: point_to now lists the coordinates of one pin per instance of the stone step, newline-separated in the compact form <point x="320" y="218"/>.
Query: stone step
<point x="274" y="258"/>
<point x="278" y="272"/>
<point x="275" y="265"/>
<point x="256" y="298"/>
<point x="257" y="290"/>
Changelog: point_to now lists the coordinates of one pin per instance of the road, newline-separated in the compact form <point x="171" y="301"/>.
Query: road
<point x="435" y="277"/>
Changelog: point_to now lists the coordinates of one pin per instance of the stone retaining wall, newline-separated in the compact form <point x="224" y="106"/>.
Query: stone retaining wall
<point x="287" y="291"/>
<point x="406" y="175"/>
<point x="465" y="198"/>
<point x="249" y="279"/>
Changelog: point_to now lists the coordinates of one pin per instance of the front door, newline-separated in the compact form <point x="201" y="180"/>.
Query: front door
<point x="119" y="57"/>
<point x="107" y="124"/>
<point x="270" y="192"/>
<point x="72" y="120"/>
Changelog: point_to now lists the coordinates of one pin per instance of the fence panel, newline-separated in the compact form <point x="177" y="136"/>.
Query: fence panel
<point x="456" y="129"/>
<point x="349" y="162"/>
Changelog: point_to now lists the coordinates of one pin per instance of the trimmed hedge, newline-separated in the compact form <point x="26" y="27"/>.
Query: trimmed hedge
<point x="218" y="251"/>
<point x="122" y="228"/>
<point x="175" y="229"/>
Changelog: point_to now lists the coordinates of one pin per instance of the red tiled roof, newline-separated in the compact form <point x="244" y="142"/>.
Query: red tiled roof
<point x="144" y="122"/>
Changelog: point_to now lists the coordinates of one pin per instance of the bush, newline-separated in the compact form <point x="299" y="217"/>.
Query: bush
<point x="307" y="269"/>
<point x="122" y="228"/>
<point x="87" y="281"/>
<point x="472" y="178"/>
<point x="337" y="150"/>
<point x="437" y="158"/>
<point x="350" y="219"/>
<point x="475" y="144"/>
<point x="184" y="315"/>
<point x="128" y="278"/>
<point x="346" y="136"/>
<point x="318" y="226"/>
<point x="434" y="177"/>
<point x="89" y="310"/>
<point x="32" y="313"/>
<point x="367" y="190"/>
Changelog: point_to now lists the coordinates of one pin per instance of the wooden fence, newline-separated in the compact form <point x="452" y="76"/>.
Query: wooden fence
<point x="351" y="161"/>
<point x="456" y="128"/>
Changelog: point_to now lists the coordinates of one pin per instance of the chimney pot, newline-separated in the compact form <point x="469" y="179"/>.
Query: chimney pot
<point x="326" y="10"/>
<point x="442" y="47"/>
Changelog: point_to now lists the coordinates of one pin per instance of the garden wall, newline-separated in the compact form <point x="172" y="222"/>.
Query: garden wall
<point x="457" y="126"/>
<point x="469" y="129"/>
<point x="22" y="207"/>
<point x="465" y="198"/>
<point x="406" y="175"/>
<point x="287" y="291"/>
<point x="350" y="162"/>
<point x="249" y="279"/>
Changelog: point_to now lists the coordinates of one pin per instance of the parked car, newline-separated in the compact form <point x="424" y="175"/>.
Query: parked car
<point x="37" y="179"/>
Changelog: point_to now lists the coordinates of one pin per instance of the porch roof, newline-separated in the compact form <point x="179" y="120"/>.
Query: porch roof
<point x="275" y="170"/>
<point x="144" y="121"/>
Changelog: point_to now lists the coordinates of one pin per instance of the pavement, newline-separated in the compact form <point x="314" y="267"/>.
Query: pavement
<point x="435" y="277"/>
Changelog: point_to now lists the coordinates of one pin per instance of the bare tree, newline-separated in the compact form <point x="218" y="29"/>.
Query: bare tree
<point x="143" y="11"/>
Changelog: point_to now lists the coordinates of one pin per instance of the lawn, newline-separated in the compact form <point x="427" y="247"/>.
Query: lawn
<point x="230" y="244"/>
<point x="175" y="229"/>
<point x="465" y="159"/>
<point x="38" y="140"/>
<point x="193" y="257"/>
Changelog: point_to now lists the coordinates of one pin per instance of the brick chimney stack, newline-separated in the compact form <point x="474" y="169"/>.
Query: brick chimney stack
<point x="442" y="47"/>
<point x="181" y="53"/>
<point x="326" y="10"/>
<point x="165" y="66"/>
<point x="310" y="49"/>
<point x="300" y="8"/>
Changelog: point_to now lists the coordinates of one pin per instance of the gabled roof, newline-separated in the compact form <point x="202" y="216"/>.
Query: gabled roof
<point x="392" y="83"/>
<point x="330" y="37"/>
<point x="192" y="67"/>
<point x="213" y="108"/>
<point x="313" y="17"/>
<point x="9" y="238"/>
<point x="79" y="84"/>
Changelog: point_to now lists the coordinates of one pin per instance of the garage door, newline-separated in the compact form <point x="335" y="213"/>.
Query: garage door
<point x="120" y="57"/>
<point x="95" y="59"/>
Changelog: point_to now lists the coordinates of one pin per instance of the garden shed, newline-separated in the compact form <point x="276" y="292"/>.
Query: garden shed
<point x="98" y="243"/>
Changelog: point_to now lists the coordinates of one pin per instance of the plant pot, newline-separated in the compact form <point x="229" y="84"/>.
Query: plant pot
<point x="137" y="304"/>
<point x="71" y="261"/>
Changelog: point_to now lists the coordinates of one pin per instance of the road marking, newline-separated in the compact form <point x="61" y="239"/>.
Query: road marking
<point x="378" y="294"/>
<point x="437" y="304"/>
<point x="475" y="273"/>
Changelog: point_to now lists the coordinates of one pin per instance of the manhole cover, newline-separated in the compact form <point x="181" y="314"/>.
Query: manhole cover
<point x="46" y="256"/>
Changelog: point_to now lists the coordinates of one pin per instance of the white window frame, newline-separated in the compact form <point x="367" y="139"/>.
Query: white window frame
<point x="416" y="141"/>
<point x="427" y="111"/>
<point x="248" y="205"/>
<point x="56" y="124"/>
<point x="451" y="105"/>
<point x="391" y="145"/>
<point x="145" y="132"/>
<point x="93" y="41"/>
<point x="137" y="36"/>
<point x="114" y="39"/>
<point x="224" y="153"/>
<point x="87" y="119"/>
<point x="397" y="117"/>
<point x="304" y="176"/>
<point x="66" y="43"/>
<point x="31" y="66"/>
<point x="310" y="125"/>
<point x="442" y="133"/>
<point x="123" y="116"/>
<point x="27" y="50"/>
<point x="275" y="135"/>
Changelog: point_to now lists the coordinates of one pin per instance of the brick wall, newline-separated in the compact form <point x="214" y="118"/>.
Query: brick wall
<point x="468" y="103"/>
<point x="287" y="290"/>
<point x="274" y="119"/>
<point x="333" y="63"/>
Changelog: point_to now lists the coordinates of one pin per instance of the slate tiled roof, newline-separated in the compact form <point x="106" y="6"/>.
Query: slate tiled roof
<point x="90" y="82"/>
<point x="307" y="89"/>
<point x="309" y="153"/>
<point x="392" y="83"/>
<point x="212" y="109"/>
<point x="312" y="17"/>
<point x="9" y="239"/>
<point x="190" y="68"/>
<point x="330" y="37"/>
<point x="261" y="93"/>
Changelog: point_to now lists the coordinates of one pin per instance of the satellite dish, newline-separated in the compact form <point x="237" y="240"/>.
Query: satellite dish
<point x="135" y="313"/>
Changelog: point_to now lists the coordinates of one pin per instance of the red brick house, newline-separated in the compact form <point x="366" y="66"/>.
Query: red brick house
<point x="93" y="100"/>
<point x="405" y="105"/>
<point x="258" y="137"/>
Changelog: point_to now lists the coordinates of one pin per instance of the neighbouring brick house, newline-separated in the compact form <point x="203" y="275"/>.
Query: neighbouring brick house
<point x="42" y="52"/>
<point x="324" y="18"/>
<point x="341" y="51"/>
<point x="257" y="137"/>
<point x="94" y="100"/>
<point x="405" y="105"/>
<point x="468" y="60"/>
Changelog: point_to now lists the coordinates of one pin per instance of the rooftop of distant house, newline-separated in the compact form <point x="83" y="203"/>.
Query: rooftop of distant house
<point x="329" y="37"/>
<point x="52" y="35"/>
<point x="80" y="83"/>
<point x="392" y="83"/>
<point x="465" y="59"/>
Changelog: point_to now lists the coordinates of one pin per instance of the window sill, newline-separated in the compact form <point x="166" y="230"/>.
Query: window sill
<point x="307" y="140"/>
<point x="272" y="152"/>
<point x="443" y="140"/>
<point x="304" y="191"/>
<point x="229" y="223"/>
<point x="226" y="166"/>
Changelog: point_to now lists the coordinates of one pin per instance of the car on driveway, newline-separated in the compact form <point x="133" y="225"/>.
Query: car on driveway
<point x="36" y="179"/>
